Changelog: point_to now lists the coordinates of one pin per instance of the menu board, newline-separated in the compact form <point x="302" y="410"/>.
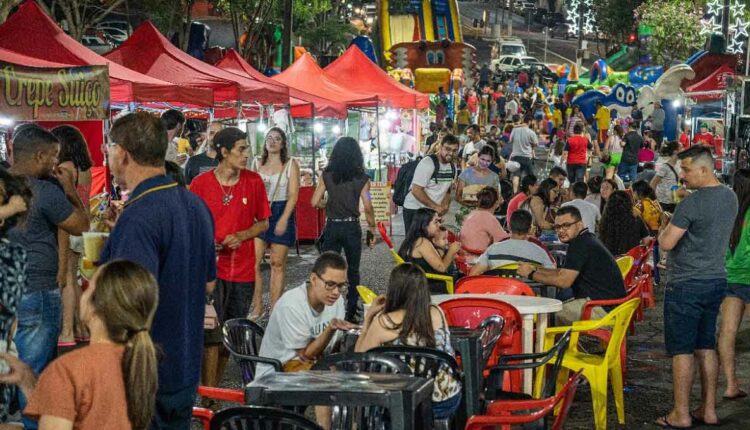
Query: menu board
<point x="380" y="196"/>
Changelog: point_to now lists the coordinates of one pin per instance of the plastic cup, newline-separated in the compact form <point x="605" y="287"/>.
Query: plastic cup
<point x="93" y="244"/>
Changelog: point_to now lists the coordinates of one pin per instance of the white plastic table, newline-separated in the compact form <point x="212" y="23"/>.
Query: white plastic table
<point x="528" y="307"/>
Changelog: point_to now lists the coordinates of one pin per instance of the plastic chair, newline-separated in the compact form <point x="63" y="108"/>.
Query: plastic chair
<point x="242" y="338"/>
<point x="527" y="361"/>
<point x="625" y="264"/>
<point x="488" y="284"/>
<point x="424" y="363"/>
<point x="641" y="254"/>
<point x="470" y="312"/>
<point x="250" y="417"/>
<point x="447" y="279"/>
<point x="501" y="412"/>
<point x="492" y="329"/>
<point x="203" y="416"/>
<point x="596" y="369"/>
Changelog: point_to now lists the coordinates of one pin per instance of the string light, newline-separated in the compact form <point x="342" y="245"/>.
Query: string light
<point x="574" y="15"/>
<point x="738" y="35"/>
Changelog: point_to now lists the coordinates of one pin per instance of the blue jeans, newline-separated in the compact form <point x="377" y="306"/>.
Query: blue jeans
<point x="627" y="172"/>
<point x="446" y="408"/>
<point x="690" y="311"/>
<point x="36" y="337"/>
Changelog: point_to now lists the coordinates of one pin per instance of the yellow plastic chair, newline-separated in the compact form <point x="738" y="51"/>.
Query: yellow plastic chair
<point x="625" y="263"/>
<point x="596" y="369"/>
<point x="443" y="278"/>
<point x="367" y="294"/>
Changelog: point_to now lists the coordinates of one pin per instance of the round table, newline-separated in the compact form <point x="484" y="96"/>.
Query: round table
<point x="528" y="307"/>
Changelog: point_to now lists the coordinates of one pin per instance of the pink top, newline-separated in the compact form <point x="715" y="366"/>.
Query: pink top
<point x="514" y="204"/>
<point x="480" y="229"/>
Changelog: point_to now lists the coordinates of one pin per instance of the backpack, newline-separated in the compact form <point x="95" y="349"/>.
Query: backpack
<point x="402" y="186"/>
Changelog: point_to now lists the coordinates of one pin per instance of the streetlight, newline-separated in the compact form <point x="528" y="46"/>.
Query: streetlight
<point x="546" y="33"/>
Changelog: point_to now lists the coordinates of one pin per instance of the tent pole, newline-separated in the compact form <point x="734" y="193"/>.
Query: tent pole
<point x="312" y="146"/>
<point x="377" y="124"/>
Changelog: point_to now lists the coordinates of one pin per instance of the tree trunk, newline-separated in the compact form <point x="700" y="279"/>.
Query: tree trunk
<point x="185" y="38"/>
<point x="6" y="6"/>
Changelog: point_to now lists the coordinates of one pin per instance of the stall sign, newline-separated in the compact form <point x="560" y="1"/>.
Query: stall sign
<point x="54" y="94"/>
<point x="380" y="196"/>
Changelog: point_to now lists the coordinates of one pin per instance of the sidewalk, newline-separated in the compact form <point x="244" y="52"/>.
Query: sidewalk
<point x="648" y="392"/>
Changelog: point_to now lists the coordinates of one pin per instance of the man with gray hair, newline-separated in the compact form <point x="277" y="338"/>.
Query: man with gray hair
<point x="697" y="240"/>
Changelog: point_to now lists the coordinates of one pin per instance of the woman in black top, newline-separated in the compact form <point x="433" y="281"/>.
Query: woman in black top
<point x="620" y="228"/>
<point x="425" y="247"/>
<point x="346" y="182"/>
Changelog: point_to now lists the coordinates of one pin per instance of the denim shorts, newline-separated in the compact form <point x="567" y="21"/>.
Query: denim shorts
<point x="741" y="291"/>
<point x="691" y="309"/>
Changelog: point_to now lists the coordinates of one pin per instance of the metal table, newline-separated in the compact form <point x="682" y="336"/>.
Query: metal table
<point x="405" y="397"/>
<point x="468" y="344"/>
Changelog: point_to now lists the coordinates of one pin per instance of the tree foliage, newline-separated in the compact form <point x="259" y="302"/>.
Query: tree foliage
<point x="81" y="15"/>
<point x="676" y="29"/>
<point x="615" y="17"/>
<point x="6" y="6"/>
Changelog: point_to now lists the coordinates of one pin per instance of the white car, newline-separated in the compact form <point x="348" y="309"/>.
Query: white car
<point x="114" y="34"/>
<point x="508" y="63"/>
<point x="97" y="44"/>
<point x="511" y="47"/>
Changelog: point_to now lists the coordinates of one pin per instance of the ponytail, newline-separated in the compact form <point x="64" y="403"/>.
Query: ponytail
<point x="139" y="369"/>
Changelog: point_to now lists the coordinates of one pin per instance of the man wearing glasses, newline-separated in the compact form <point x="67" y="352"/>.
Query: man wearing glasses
<point x="590" y="269"/>
<point x="306" y="319"/>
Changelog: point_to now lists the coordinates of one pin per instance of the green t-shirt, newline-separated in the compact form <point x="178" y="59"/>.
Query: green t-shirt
<point x="738" y="265"/>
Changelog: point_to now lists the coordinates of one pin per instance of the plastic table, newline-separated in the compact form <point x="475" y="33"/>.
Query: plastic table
<point x="528" y="307"/>
<point x="406" y="397"/>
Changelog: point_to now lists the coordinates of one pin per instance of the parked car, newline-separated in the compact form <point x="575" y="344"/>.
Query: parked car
<point x="509" y="63"/>
<point x="551" y="19"/>
<point x="560" y="30"/>
<point x="118" y="24"/>
<point x="538" y="68"/>
<point x="114" y="34"/>
<point x="97" y="44"/>
<point x="511" y="46"/>
<point x="539" y="14"/>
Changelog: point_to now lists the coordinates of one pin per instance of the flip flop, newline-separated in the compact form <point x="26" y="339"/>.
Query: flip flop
<point x="664" y="423"/>
<point x="66" y="344"/>
<point x="699" y="421"/>
<point x="740" y="394"/>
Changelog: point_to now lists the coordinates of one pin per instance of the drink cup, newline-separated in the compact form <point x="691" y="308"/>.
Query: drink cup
<point x="93" y="244"/>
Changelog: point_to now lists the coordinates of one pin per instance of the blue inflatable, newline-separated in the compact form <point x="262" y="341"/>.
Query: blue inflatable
<point x="621" y="96"/>
<point x="364" y="43"/>
<point x="644" y="75"/>
<point x="599" y="71"/>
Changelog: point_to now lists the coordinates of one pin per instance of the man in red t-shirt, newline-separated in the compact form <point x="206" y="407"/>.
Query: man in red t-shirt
<point x="237" y="200"/>
<point x="577" y="154"/>
<point x="704" y="137"/>
<point x="684" y="138"/>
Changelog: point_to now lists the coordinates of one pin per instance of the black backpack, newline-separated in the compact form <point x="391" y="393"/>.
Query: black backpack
<point x="402" y="186"/>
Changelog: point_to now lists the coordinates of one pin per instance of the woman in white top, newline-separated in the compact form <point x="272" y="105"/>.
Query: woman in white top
<point x="280" y="175"/>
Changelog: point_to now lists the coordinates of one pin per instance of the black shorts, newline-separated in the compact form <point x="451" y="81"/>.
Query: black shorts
<point x="232" y="299"/>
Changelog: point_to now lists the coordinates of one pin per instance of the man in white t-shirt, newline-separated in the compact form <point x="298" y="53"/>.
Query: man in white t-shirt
<point x="589" y="212"/>
<point x="517" y="249"/>
<point x="430" y="189"/>
<point x="305" y="322"/>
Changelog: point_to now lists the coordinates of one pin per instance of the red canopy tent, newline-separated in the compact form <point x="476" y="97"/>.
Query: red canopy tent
<point x="712" y="86"/>
<point x="301" y="103"/>
<point x="355" y="71"/>
<point x="149" y="52"/>
<point x="29" y="31"/>
<point x="305" y="75"/>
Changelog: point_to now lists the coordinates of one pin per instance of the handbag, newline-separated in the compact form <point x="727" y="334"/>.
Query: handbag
<point x="210" y="318"/>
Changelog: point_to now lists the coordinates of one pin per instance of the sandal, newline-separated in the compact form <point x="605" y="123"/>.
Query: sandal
<point x="255" y="317"/>
<point x="665" y="424"/>
<point x="699" y="421"/>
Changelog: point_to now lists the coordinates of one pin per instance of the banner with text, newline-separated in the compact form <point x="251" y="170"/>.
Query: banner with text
<point x="380" y="196"/>
<point x="54" y="94"/>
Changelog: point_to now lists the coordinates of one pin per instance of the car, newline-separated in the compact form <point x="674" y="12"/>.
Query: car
<point x="114" y="34"/>
<point x="551" y="19"/>
<point x="560" y="30"/>
<point x="512" y="46"/>
<point x="539" y="14"/>
<point x="509" y="63"/>
<point x="539" y="68"/>
<point x="97" y="44"/>
<point x="118" y="24"/>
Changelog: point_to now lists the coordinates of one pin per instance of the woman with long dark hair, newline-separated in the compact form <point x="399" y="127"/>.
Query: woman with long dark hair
<point x="74" y="157"/>
<point x="738" y="278"/>
<point x="647" y="206"/>
<point x="607" y="187"/>
<point x="346" y="183"/>
<point x="540" y="205"/>
<point x="419" y="247"/>
<point x="280" y="175"/>
<point x="620" y="229"/>
<point x="406" y="317"/>
<point x="111" y="383"/>
<point x="666" y="182"/>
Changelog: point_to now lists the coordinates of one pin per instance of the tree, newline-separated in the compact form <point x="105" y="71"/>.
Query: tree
<point x="676" y="29"/>
<point x="252" y="23"/>
<point x="327" y="39"/>
<point x="6" y="6"/>
<point x="82" y="15"/>
<point x="169" y="16"/>
<point x="616" y="18"/>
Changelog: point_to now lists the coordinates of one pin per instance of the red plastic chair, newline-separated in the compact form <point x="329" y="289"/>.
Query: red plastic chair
<point x="470" y="312"/>
<point x="488" y="284"/>
<point x="204" y="416"/>
<point x="641" y="254"/>
<point x="500" y="412"/>
<point x="384" y="235"/>
<point x="464" y="256"/>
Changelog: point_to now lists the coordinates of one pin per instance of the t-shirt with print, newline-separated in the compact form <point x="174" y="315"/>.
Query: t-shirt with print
<point x="86" y="387"/>
<point x="198" y="164"/>
<point x="598" y="278"/>
<point x="436" y="188"/>
<point x="49" y="207"/>
<point x="515" y="251"/>
<point x="700" y="252"/>
<point x="738" y="262"/>
<point x="248" y="205"/>
<point x="577" y="146"/>
<point x="294" y="324"/>
<point x="589" y="212"/>
<point x="669" y="177"/>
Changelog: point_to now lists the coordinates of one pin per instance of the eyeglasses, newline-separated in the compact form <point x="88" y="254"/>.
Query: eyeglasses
<point x="330" y="285"/>
<point x="564" y="226"/>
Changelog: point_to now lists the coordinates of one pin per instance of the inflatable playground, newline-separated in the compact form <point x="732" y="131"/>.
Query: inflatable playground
<point x="422" y="45"/>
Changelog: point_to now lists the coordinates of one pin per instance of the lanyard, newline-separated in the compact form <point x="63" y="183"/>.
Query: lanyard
<point x="151" y="190"/>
